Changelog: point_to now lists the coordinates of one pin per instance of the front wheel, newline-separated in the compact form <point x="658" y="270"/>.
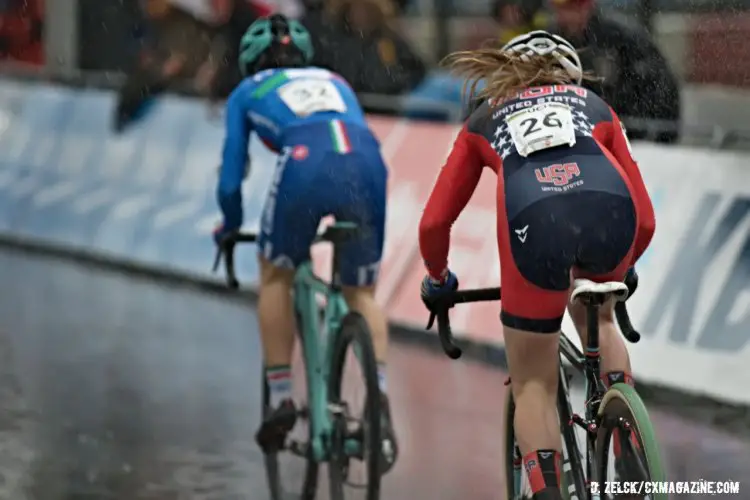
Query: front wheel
<point x="354" y="439"/>
<point x="626" y="424"/>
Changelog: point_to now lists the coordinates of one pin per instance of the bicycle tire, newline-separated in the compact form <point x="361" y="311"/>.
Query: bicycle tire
<point x="622" y="401"/>
<point x="355" y="332"/>
<point x="271" y="460"/>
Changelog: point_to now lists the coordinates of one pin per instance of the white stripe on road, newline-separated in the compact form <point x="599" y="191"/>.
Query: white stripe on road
<point x="56" y="193"/>
<point x="132" y="206"/>
<point x="175" y="214"/>
<point x="24" y="187"/>
<point x="90" y="202"/>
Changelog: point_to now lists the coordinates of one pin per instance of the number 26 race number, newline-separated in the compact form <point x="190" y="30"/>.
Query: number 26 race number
<point x="541" y="127"/>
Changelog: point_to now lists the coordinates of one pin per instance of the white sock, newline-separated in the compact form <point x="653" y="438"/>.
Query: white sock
<point x="382" y="378"/>
<point x="279" y="379"/>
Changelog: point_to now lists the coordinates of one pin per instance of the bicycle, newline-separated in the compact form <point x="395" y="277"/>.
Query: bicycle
<point x="325" y="344"/>
<point x="618" y="408"/>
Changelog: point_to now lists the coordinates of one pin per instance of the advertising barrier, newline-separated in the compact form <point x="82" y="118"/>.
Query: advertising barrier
<point x="148" y="195"/>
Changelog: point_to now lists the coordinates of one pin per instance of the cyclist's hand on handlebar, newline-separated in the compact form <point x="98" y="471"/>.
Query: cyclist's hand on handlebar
<point x="631" y="281"/>
<point x="433" y="289"/>
<point x="222" y="232"/>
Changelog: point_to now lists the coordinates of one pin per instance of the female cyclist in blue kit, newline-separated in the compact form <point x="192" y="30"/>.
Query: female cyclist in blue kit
<point x="329" y="164"/>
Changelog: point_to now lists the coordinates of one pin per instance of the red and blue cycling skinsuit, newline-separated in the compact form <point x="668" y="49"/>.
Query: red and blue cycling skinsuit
<point x="581" y="209"/>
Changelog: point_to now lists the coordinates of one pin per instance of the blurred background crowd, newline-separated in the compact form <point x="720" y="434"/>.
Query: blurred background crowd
<point x="645" y="51"/>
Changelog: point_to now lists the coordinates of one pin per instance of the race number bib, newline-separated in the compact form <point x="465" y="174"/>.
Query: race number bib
<point x="306" y="96"/>
<point x="541" y="127"/>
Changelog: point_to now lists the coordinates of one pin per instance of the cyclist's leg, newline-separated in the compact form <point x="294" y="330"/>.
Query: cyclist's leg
<point x="534" y="258"/>
<point x="289" y="222"/>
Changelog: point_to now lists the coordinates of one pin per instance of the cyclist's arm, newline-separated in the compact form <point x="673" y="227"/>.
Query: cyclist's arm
<point x="234" y="159"/>
<point x="456" y="183"/>
<point x="620" y="148"/>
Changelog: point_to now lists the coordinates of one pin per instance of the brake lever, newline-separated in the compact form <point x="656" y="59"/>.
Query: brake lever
<point x="217" y="260"/>
<point x="431" y="321"/>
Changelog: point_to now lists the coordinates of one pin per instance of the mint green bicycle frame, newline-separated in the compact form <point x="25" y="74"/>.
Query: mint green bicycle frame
<point x="317" y="348"/>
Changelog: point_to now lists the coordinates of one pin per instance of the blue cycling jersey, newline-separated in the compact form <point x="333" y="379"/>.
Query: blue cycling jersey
<point x="277" y="104"/>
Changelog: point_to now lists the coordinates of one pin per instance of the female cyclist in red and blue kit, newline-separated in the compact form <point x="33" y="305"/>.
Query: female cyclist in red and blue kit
<point x="570" y="203"/>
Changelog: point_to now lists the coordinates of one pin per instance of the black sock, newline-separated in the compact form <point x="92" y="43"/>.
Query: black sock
<point x="543" y="470"/>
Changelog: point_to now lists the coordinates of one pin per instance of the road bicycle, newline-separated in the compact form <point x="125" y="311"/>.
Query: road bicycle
<point x="617" y="410"/>
<point x="327" y="333"/>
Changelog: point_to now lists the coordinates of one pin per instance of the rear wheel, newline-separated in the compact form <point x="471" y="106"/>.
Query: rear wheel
<point x="636" y="455"/>
<point x="354" y="440"/>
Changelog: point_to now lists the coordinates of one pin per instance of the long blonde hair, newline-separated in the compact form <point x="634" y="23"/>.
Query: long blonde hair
<point x="505" y="74"/>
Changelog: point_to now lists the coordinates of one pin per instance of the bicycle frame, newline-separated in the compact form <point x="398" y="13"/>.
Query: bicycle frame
<point x="317" y="350"/>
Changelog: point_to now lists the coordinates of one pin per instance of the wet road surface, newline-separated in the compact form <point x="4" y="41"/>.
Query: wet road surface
<point x="118" y="388"/>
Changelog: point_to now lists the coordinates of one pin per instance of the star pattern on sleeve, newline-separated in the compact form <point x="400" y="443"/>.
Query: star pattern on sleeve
<point x="503" y="144"/>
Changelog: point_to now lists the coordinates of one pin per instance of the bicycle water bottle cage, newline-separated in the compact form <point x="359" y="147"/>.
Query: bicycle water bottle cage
<point x="589" y="293"/>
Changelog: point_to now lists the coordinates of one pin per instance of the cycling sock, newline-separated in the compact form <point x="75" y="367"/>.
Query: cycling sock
<point x="279" y="380"/>
<point x="543" y="470"/>
<point x="381" y="377"/>
<point x="615" y="377"/>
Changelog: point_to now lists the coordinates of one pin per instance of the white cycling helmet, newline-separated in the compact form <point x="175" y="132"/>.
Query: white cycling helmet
<point x="541" y="43"/>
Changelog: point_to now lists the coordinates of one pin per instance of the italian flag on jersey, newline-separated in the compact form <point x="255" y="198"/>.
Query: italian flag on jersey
<point x="339" y="137"/>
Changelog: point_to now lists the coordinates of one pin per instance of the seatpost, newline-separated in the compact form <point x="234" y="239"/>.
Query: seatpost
<point x="593" y="355"/>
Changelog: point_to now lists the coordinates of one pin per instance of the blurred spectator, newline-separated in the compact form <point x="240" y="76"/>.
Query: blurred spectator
<point x="355" y="39"/>
<point x="512" y="18"/>
<point x="21" y="23"/>
<point x="516" y="17"/>
<point x="187" y="41"/>
<point x="243" y="14"/>
<point x="636" y="79"/>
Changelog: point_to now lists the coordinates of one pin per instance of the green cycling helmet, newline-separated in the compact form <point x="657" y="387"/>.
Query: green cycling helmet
<point x="274" y="42"/>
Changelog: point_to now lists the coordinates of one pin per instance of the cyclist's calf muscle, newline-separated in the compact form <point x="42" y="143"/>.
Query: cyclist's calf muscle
<point x="276" y="314"/>
<point x="362" y="300"/>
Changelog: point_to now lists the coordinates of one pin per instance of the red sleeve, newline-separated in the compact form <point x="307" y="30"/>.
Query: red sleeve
<point x="456" y="183"/>
<point x="620" y="148"/>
